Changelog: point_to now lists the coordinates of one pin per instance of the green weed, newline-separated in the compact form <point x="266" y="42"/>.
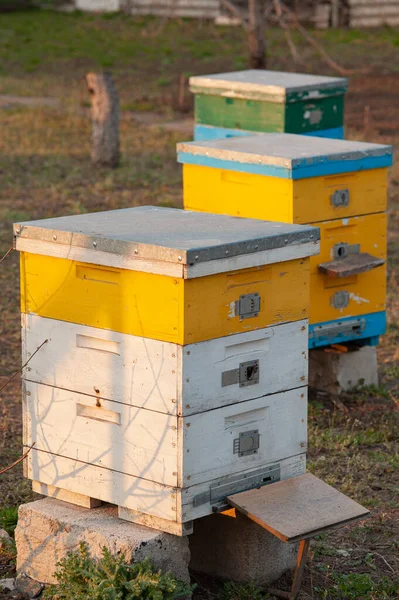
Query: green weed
<point x="82" y="578"/>
<point x="238" y="591"/>
<point x="360" y="586"/>
<point x="9" y="519"/>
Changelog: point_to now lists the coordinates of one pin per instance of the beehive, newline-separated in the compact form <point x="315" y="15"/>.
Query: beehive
<point x="238" y="103"/>
<point x="337" y="185"/>
<point x="172" y="367"/>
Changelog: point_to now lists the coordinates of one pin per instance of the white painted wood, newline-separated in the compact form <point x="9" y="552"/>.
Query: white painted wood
<point x="369" y="13"/>
<point x="144" y="444"/>
<point x="289" y="467"/>
<point x="97" y="257"/>
<point x="208" y="438"/>
<point x="124" y="368"/>
<point x="98" y="5"/>
<point x="234" y="263"/>
<point x="283" y="364"/>
<point x="155" y="522"/>
<point x="141" y="495"/>
<point x="269" y="86"/>
<point x="106" y="485"/>
<point x="72" y="497"/>
<point x="138" y="371"/>
<point x="174" y="451"/>
<point x="158" y="375"/>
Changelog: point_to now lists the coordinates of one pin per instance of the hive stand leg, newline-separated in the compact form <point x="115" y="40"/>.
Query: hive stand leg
<point x="73" y="498"/>
<point x="298" y="574"/>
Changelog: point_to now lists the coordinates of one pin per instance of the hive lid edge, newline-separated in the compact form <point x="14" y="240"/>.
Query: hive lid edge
<point x="234" y="84"/>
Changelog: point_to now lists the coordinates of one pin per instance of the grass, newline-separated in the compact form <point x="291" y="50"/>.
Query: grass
<point x="45" y="171"/>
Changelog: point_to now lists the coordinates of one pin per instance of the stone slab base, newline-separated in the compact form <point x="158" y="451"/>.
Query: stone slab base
<point x="49" y="528"/>
<point x="235" y="548"/>
<point x="336" y="373"/>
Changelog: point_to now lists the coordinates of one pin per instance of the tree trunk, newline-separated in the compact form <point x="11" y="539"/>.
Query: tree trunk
<point x="256" y="33"/>
<point x="105" y="119"/>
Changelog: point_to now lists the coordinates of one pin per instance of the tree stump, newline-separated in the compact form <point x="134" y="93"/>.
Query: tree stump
<point x="105" y="119"/>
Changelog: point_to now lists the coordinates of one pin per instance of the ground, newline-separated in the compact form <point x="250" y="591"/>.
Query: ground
<point x="46" y="171"/>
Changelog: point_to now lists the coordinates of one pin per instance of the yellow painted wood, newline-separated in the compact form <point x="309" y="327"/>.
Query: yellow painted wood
<point x="276" y="199"/>
<point x="184" y="311"/>
<point x="367" y="290"/>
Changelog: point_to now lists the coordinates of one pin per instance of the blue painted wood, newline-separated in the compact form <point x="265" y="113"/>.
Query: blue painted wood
<point x="209" y="132"/>
<point x="371" y="327"/>
<point x="302" y="171"/>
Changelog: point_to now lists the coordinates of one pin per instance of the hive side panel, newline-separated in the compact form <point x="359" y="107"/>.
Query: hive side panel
<point x="113" y="435"/>
<point x="324" y="113"/>
<point x="242" y="436"/>
<point x="196" y="499"/>
<point x="336" y="298"/>
<point x="211" y="308"/>
<point x="248" y="365"/>
<point x="317" y="199"/>
<point x="129" y="369"/>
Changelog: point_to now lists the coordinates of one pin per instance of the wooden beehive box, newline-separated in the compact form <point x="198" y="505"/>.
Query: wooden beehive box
<point x="237" y="103"/>
<point x="174" y="363"/>
<point x="338" y="185"/>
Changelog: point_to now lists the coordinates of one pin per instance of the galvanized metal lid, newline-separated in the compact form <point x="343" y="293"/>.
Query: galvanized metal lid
<point x="286" y="155"/>
<point x="151" y="238"/>
<point x="271" y="86"/>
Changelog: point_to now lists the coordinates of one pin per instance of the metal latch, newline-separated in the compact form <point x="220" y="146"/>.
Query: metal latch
<point x="247" y="443"/>
<point x="248" y="306"/>
<point x="340" y="198"/>
<point x="234" y="484"/>
<point x="340" y="328"/>
<point x="246" y="374"/>
<point x="340" y="299"/>
<point x="344" y="250"/>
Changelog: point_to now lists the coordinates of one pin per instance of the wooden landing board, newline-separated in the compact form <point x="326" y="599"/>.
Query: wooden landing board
<point x="297" y="508"/>
<point x="352" y="265"/>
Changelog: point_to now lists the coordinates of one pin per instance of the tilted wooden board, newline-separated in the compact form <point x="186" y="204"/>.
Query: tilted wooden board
<point x="297" y="508"/>
<point x="352" y="265"/>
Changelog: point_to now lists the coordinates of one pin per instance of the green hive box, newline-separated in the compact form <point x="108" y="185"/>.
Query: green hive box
<point x="230" y="104"/>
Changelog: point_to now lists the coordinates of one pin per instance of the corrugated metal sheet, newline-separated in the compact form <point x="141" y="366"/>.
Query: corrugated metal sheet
<point x="373" y="13"/>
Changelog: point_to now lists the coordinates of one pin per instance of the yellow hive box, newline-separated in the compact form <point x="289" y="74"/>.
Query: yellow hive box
<point x="166" y="274"/>
<point x="300" y="179"/>
<point x="273" y="198"/>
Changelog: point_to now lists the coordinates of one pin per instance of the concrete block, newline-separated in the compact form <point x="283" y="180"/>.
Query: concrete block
<point x="336" y="373"/>
<point x="49" y="528"/>
<point x="237" y="549"/>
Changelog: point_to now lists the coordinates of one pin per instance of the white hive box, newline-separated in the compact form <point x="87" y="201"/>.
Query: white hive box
<point x="163" y="427"/>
